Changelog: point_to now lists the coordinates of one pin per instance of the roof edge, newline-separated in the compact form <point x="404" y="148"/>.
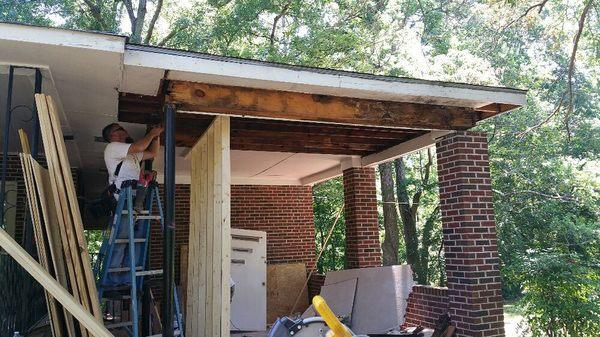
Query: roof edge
<point x="325" y="71"/>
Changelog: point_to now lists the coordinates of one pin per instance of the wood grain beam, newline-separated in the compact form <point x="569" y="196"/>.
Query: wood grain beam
<point x="250" y="102"/>
<point x="282" y="136"/>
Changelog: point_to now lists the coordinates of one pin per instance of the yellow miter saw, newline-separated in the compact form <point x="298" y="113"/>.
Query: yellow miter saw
<point x="328" y="325"/>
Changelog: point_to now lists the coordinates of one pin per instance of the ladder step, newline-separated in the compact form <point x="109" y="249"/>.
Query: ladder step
<point x="136" y="212"/>
<point x="175" y="333"/>
<point x="119" y="270"/>
<point x="118" y="325"/>
<point x="141" y="240"/>
<point x="147" y="217"/>
<point x="149" y="272"/>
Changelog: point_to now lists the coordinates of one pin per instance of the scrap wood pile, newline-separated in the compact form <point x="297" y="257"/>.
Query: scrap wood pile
<point x="64" y="268"/>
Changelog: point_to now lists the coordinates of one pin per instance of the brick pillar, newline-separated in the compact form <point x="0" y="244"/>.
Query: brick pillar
<point x="360" y="210"/>
<point x="470" y="244"/>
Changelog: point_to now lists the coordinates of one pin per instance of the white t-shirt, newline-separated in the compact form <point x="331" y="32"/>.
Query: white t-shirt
<point x="115" y="153"/>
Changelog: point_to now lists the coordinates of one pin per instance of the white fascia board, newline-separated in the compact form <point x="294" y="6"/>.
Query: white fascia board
<point x="264" y="76"/>
<point x="403" y="149"/>
<point x="62" y="37"/>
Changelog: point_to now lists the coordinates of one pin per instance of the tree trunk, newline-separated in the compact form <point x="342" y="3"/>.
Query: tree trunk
<point x="137" y="25"/>
<point x="408" y="219"/>
<point x="390" y="215"/>
<point x="426" y="242"/>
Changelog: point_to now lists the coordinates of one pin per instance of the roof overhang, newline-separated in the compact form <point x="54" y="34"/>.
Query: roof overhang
<point x="88" y="72"/>
<point x="159" y="63"/>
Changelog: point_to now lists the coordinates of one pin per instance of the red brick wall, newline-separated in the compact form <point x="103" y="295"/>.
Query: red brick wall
<point x="360" y="209"/>
<point x="469" y="234"/>
<point x="284" y="212"/>
<point x="425" y="306"/>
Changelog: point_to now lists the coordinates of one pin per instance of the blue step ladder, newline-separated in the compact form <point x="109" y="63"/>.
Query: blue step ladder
<point x="122" y="259"/>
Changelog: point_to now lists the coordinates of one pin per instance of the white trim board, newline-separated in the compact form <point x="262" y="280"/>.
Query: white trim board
<point x="203" y="68"/>
<point x="62" y="37"/>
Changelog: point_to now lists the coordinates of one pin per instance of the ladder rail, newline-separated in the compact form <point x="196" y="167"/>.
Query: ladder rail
<point x="113" y="236"/>
<point x="132" y="264"/>
<point x="146" y="225"/>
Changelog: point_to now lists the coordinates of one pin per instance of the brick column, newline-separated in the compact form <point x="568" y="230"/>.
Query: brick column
<point x="470" y="244"/>
<point x="360" y="210"/>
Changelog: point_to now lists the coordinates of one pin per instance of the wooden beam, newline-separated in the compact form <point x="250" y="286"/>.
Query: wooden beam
<point x="402" y="149"/>
<point x="251" y="140"/>
<point x="494" y="109"/>
<point x="271" y="104"/>
<point x="52" y="286"/>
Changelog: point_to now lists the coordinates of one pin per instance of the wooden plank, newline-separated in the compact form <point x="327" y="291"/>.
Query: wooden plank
<point x="202" y="267"/>
<point x="225" y="224"/>
<point x="74" y="205"/>
<point x="209" y="251"/>
<point x="24" y="141"/>
<point x="56" y="320"/>
<point x="216" y="221"/>
<point x="42" y="183"/>
<point x="272" y="104"/>
<point x="65" y="221"/>
<point x="88" y="321"/>
<point x="209" y="231"/>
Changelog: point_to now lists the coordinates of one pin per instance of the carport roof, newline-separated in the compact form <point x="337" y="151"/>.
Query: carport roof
<point x="88" y="72"/>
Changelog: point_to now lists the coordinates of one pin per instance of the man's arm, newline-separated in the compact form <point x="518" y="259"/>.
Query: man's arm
<point x="143" y="144"/>
<point x="152" y="150"/>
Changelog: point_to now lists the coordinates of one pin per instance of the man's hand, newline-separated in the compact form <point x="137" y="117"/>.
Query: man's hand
<point x="156" y="131"/>
<point x="143" y="144"/>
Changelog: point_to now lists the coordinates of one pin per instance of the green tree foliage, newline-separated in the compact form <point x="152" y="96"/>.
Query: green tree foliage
<point x="328" y="199"/>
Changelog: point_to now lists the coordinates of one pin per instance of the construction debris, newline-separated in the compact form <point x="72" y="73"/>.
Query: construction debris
<point x="65" y="271"/>
<point x="384" y="288"/>
<point x="56" y="290"/>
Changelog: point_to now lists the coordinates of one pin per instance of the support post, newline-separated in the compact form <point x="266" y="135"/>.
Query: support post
<point x="169" y="228"/>
<point x="469" y="235"/>
<point x="209" y="252"/>
<point x="363" y="249"/>
<point x="35" y="136"/>
<point x="5" y="140"/>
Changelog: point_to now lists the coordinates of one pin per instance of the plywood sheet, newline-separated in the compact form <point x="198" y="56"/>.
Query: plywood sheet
<point x="384" y="288"/>
<point x="284" y="282"/>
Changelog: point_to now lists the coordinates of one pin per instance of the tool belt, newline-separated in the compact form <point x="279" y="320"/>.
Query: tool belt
<point x="104" y="206"/>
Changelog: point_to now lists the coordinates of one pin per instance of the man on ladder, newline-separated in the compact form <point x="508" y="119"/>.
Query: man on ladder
<point x="123" y="156"/>
<point x="124" y="251"/>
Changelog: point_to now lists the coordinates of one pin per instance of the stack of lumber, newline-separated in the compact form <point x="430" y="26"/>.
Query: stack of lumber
<point x="64" y="261"/>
